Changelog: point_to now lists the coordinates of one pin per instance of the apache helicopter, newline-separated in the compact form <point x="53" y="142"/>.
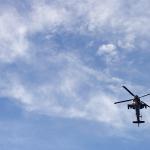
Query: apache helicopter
<point x="137" y="104"/>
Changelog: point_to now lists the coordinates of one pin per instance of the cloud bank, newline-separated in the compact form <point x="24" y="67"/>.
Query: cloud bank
<point x="48" y="75"/>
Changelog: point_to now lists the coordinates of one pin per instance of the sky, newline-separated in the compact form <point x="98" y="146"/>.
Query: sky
<point x="63" y="64"/>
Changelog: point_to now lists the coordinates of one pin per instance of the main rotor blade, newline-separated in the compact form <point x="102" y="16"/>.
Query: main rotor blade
<point x="128" y="90"/>
<point x="123" y="101"/>
<point x="145" y="104"/>
<point x="144" y="95"/>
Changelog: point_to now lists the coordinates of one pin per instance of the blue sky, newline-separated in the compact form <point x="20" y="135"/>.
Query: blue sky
<point x="62" y="67"/>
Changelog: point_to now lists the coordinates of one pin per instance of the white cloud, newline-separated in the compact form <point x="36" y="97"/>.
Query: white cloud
<point x="74" y="94"/>
<point x="112" y="20"/>
<point x="86" y="17"/>
<point x="46" y="17"/>
<point x="110" y="52"/>
<point x="15" y="28"/>
<point x="108" y="49"/>
<point x="100" y="107"/>
<point x="13" y="42"/>
<point x="71" y="88"/>
<point x="127" y="42"/>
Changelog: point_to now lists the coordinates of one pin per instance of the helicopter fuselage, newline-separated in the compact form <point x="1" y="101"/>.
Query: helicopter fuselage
<point x="137" y="104"/>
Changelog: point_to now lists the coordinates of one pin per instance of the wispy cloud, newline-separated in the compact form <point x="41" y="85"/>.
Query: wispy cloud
<point x="109" y="51"/>
<point x="76" y="91"/>
<point x="109" y="18"/>
<point x="57" y="81"/>
<point x="13" y="42"/>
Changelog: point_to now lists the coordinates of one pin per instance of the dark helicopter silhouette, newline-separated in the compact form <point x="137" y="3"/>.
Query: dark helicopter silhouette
<point x="137" y="104"/>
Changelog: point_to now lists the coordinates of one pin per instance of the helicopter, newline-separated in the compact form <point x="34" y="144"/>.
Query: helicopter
<point x="137" y="104"/>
